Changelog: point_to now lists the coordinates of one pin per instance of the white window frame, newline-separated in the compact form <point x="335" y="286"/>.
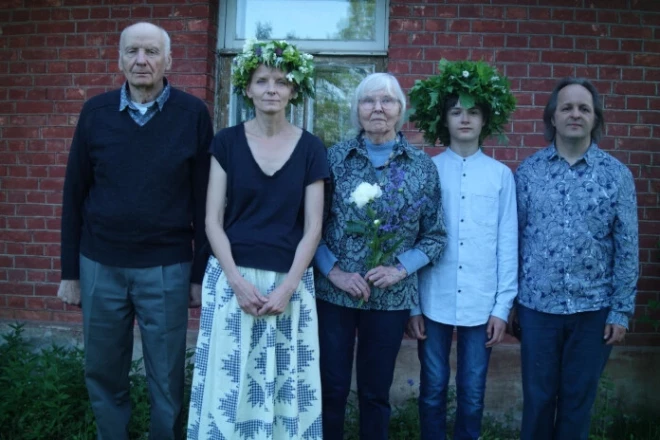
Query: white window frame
<point x="227" y="43"/>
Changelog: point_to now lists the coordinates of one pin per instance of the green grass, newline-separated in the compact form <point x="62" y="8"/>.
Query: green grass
<point x="43" y="396"/>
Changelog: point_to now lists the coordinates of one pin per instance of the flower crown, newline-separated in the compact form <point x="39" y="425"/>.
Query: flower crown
<point x="475" y="83"/>
<point x="298" y="66"/>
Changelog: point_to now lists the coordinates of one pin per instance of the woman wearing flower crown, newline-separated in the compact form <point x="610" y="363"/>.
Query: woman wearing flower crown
<point x="384" y="223"/>
<point x="257" y="360"/>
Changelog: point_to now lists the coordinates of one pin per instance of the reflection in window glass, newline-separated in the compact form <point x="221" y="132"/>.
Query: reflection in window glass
<point x="306" y="19"/>
<point x="335" y="85"/>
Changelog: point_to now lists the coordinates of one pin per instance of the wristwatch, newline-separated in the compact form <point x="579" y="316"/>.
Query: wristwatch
<point x="400" y="268"/>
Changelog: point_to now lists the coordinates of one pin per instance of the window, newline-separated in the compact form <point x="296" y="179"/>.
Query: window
<point x="335" y="31"/>
<point x="319" y="26"/>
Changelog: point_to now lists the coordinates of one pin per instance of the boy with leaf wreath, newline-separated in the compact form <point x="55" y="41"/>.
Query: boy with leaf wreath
<point x="473" y="286"/>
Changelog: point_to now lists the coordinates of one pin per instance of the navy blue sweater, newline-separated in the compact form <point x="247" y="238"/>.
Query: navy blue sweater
<point x="135" y="196"/>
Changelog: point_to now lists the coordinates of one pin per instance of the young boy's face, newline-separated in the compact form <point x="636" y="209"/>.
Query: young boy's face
<point x="464" y="124"/>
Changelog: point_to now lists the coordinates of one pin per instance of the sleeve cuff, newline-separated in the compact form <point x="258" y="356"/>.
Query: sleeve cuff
<point x="501" y="312"/>
<point x="324" y="259"/>
<point x="413" y="260"/>
<point x="617" y="318"/>
<point x="415" y="311"/>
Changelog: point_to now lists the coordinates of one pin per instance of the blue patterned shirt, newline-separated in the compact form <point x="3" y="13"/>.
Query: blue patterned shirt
<point x="578" y="234"/>
<point x="416" y="207"/>
<point x="138" y="117"/>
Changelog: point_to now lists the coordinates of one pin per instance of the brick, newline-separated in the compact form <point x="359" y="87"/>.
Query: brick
<point x="583" y="29"/>
<point x="20" y="132"/>
<point x="16" y="302"/>
<point x="635" y="88"/>
<point x="32" y="262"/>
<point x="492" y="26"/>
<point x="632" y="45"/>
<point x="640" y="32"/>
<point x="422" y="39"/>
<point x="495" y="41"/>
<point x="34" y="210"/>
<point x="470" y="41"/>
<point x="396" y="39"/>
<point x="396" y="25"/>
<point x="96" y="26"/>
<point x="620" y="59"/>
<point x="34" y="107"/>
<point x="556" y="56"/>
<point x="605" y="44"/>
<point x="586" y="43"/>
<point x="458" y="25"/>
<point x="649" y="60"/>
<point x="527" y="56"/>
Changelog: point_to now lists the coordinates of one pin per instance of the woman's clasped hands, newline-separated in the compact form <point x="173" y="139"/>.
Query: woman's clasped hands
<point x="254" y="303"/>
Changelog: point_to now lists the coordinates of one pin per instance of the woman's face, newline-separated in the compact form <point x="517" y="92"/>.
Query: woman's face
<point x="269" y="89"/>
<point x="378" y="113"/>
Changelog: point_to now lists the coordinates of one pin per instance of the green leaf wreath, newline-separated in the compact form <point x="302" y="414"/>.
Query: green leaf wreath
<point x="475" y="83"/>
<point x="298" y="65"/>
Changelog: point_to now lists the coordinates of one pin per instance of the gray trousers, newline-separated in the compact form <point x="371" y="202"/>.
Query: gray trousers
<point x="112" y="297"/>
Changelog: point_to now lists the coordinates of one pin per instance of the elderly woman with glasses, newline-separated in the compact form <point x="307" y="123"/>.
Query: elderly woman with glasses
<point x="375" y="238"/>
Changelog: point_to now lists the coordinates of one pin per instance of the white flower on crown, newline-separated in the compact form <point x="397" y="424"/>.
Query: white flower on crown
<point x="365" y="193"/>
<point x="289" y="77"/>
<point x="494" y="78"/>
<point x="249" y="45"/>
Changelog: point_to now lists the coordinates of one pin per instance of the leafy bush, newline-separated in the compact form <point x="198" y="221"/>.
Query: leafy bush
<point x="43" y="393"/>
<point x="43" y="396"/>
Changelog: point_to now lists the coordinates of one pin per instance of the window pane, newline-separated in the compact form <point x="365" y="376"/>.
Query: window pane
<point x="331" y="109"/>
<point x="339" y="20"/>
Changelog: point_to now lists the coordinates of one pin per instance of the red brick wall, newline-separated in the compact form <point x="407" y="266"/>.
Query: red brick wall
<point x="54" y="54"/>
<point x="615" y="43"/>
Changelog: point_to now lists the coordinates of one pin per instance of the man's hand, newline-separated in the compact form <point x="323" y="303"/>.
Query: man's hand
<point x="495" y="331"/>
<point x="385" y="276"/>
<point x="351" y="283"/>
<point x="69" y="292"/>
<point x="195" y="296"/>
<point x="614" y="333"/>
<point x="415" y="328"/>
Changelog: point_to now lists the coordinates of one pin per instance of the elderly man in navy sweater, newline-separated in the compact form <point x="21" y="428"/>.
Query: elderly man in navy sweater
<point x="134" y="199"/>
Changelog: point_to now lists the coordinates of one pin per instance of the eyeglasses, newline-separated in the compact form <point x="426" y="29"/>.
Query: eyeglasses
<point x="386" y="102"/>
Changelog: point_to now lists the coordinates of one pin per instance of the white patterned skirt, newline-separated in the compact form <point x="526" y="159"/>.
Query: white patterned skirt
<point x="255" y="377"/>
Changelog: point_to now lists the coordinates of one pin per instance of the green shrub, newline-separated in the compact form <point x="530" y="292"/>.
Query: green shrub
<point x="43" y="393"/>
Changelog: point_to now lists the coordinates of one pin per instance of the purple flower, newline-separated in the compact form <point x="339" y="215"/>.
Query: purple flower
<point x="257" y="51"/>
<point x="411" y="382"/>
<point x="278" y="52"/>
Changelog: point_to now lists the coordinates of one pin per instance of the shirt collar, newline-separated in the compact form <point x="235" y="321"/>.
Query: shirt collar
<point x="358" y="146"/>
<point x="125" y="96"/>
<point x="589" y="156"/>
<point x="454" y="156"/>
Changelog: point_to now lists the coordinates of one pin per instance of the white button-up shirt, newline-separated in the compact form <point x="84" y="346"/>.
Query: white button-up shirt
<point x="478" y="274"/>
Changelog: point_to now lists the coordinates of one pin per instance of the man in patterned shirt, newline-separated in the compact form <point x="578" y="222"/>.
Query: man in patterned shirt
<point x="577" y="218"/>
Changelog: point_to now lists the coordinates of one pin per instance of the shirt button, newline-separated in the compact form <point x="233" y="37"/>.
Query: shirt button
<point x="461" y="220"/>
<point x="462" y="197"/>
<point x="459" y="290"/>
<point x="461" y="243"/>
<point x="463" y="174"/>
<point x="460" y="267"/>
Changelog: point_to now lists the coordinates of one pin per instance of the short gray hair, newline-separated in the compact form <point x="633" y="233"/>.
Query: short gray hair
<point x="372" y="83"/>
<point x="167" y="43"/>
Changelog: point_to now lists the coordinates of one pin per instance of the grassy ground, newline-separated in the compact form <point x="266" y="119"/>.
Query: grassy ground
<point x="43" y="396"/>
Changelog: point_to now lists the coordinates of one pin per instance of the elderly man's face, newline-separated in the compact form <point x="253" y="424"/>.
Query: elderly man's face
<point x="142" y="57"/>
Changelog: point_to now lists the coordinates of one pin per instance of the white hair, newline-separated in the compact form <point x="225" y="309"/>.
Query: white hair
<point x="373" y="83"/>
<point x="167" y="43"/>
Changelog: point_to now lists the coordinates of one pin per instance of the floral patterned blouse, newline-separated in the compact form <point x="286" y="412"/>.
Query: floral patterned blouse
<point x="411" y="200"/>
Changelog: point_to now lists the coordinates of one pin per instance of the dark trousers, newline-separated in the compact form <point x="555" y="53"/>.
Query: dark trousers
<point x="112" y="297"/>
<point x="471" y="371"/>
<point x="379" y="340"/>
<point x="562" y="360"/>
